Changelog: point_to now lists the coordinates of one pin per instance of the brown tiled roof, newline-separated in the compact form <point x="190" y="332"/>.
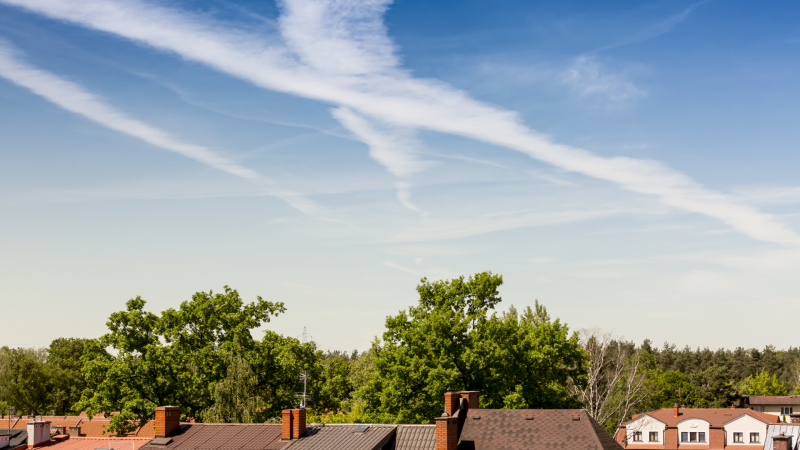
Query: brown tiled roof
<point x="116" y="443"/>
<point x="415" y="437"/>
<point x="774" y="400"/>
<point x="222" y="436"/>
<point x="532" y="429"/>
<point x="715" y="417"/>
<point x="342" y="437"/>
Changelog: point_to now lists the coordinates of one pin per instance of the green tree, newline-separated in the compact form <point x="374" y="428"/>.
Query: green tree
<point x="452" y="340"/>
<point x="24" y="383"/>
<point x="63" y="370"/>
<point x="178" y="358"/>
<point x="671" y="388"/>
<point x="761" y="384"/>
<point x="236" y="398"/>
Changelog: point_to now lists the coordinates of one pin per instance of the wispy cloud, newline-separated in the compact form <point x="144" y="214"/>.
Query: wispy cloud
<point x="75" y="98"/>
<point x="657" y="29"/>
<point x="338" y="51"/>
<point x="587" y="78"/>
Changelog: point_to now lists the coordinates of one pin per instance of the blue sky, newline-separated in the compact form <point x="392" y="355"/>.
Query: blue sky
<point x="630" y="165"/>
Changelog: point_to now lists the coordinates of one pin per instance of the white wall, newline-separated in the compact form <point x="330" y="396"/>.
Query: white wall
<point x="693" y="425"/>
<point x="745" y="425"/>
<point x="645" y="424"/>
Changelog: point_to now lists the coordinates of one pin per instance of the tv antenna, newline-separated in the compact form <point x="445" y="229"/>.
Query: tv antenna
<point x="304" y="396"/>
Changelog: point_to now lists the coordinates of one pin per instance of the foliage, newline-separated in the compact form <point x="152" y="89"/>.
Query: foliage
<point x="450" y="340"/>
<point x="236" y="398"/>
<point x="178" y="358"/>
<point x="761" y="384"/>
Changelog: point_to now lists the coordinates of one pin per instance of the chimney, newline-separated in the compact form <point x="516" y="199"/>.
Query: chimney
<point x="74" y="431"/>
<point x="451" y="401"/>
<point x="676" y="410"/>
<point x="168" y="418"/>
<point x="293" y="423"/>
<point x="38" y="433"/>
<point x="782" y="442"/>
<point x="446" y="433"/>
<point x="794" y="418"/>
<point x="4" y="438"/>
<point x="473" y="399"/>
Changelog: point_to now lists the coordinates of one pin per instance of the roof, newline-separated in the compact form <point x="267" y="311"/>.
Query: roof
<point x="774" y="400"/>
<point x="225" y="436"/>
<point x="117" y="443"/>
<point x="512" y="429"/>
<point x="415" y="437"/>
<point x="18" y="437"/>
<point x="716" y="417"/>
<point x="342" y="437"/>
<point x="787" y="430"/>
<point x="89" y="428"/>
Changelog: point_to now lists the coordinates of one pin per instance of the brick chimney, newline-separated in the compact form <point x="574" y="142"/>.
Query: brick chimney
<point x="168" y="418"/>
<point x="473" y="399"/>
<point x="794" y="418"/>
<point x="782" y="442"/>
<point x="446" y="432"/>
<point x="293" y="423"/>
<point x="451" y="401"/>
<point x="38" y="433"/>
<point x="676" y="410"/>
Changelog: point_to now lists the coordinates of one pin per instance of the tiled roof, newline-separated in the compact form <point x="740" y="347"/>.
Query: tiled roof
<point x="415" y="437"/>
<point x="774" y="400"/>
<point x="715" y="417"/>
<point x="79" y="443"/>
<point x="55" y="421"/>
<point x="221" y="436"/>
<point x="343" y="437"/>
<point x="18" y="437"/>
<point x="533" y="429"/>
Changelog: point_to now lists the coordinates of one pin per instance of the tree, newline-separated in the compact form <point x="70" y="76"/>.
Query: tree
<point x="761" y="384"/>
<point x="24" y="383"/>
<point x="178" y="358"/>
<point x="63" y="369"/>
<point x="672" y="388"/>
<point x="236" y="398"/>
<point x="450" y="340"/>
<point x="617" y="378"/>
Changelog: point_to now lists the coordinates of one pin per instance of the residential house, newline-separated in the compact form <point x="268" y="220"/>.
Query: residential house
<point x="687" y="428"/>
<point x="780" y="405"/>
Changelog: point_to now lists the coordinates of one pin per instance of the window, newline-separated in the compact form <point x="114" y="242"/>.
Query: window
<point x="786" y="410"/>
<point x="737" y="437"/>
<point x="753" y="437"/>
<point x="701" y="436"/>
<point x="757" y="408"/>
<point x="693" y="437"/>
<point x="684" y="436"/>
<point x="637" y="436"/>
<point x="654" y="436"/>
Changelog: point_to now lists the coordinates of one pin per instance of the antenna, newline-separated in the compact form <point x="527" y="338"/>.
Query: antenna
<point x="304" y="396"/>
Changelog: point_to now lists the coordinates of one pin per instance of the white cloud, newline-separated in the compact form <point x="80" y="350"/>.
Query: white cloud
<point x="587" y="78"/>
<point x="316" y="34"/>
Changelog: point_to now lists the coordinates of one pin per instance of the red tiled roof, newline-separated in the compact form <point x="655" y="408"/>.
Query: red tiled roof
<point x="79" y="443"/>
<point x="715" y="417"/>
<point x="415" y="437"/>
<point x="774" y="400"/>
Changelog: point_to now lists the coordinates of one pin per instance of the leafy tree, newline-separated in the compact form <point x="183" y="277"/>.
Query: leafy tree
<point x="178" y="358"/>
<point x="761" y="384"/>
<point x="23" y="380"/>
<point x="236" y="398"/>
<point x="450" y="340"/>
<point x="672" y="388"/>
<point x="63" y="369"/>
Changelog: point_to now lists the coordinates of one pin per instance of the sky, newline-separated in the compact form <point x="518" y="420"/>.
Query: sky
<point x="630" y="165"/>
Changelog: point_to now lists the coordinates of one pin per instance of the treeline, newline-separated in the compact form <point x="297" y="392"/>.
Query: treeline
<point x="204" y="358"/>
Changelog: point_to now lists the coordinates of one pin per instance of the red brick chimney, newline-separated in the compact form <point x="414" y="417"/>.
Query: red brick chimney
<point x="446" y="432"/>
<point x="473" y="399"/>
<point x="168" y="418"/>
<point x="293" y="423"/>
<point x="451" y="401"/>
<point x="676" y="410"/>
<point x="782" y="442"/>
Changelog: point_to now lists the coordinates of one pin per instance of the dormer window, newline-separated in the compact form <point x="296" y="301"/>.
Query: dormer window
<point x="738" y="437"/>
<point x="654" y="436"/>
<point x="637" y="436"/>
<point x="754" y="438"/>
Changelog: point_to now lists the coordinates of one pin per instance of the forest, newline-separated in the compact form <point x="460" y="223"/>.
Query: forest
<point x="203" y="356"/>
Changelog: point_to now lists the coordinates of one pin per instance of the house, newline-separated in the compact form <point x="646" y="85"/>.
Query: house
<point x="463" y="426"/>
<point x="780" y="405"/>
<point x="688" y="428"/>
